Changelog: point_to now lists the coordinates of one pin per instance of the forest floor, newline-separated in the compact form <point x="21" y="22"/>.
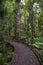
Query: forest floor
<point x="24" y="55"/>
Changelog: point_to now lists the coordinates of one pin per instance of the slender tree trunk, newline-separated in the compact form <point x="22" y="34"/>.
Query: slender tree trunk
<point x="1" y="20"/>
<point x="18" y="20"/>
<point x="31" y="15"/>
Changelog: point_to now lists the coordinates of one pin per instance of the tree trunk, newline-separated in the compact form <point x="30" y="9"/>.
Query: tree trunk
<point x="31" y="15"/>
<point x="18" y="20"/>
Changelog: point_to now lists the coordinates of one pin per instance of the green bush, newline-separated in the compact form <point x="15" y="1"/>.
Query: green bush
<point x="6" y="53"/>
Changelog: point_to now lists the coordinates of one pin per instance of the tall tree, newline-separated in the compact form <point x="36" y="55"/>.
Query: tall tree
<point x="31" y="15"/>
<point x="1" y="18"/>
<point x="18" y="19"/>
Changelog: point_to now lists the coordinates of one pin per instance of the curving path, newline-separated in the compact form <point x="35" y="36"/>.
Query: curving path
<point x="24" y="55"/>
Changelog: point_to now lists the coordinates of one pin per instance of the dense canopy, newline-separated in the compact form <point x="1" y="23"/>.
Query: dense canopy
<point x="22" y="20"/>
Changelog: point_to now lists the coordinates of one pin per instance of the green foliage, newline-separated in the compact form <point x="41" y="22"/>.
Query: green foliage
<point x="8" y="25"/>
<point x="8" y="22"/>
<point x="6" y="53"/>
